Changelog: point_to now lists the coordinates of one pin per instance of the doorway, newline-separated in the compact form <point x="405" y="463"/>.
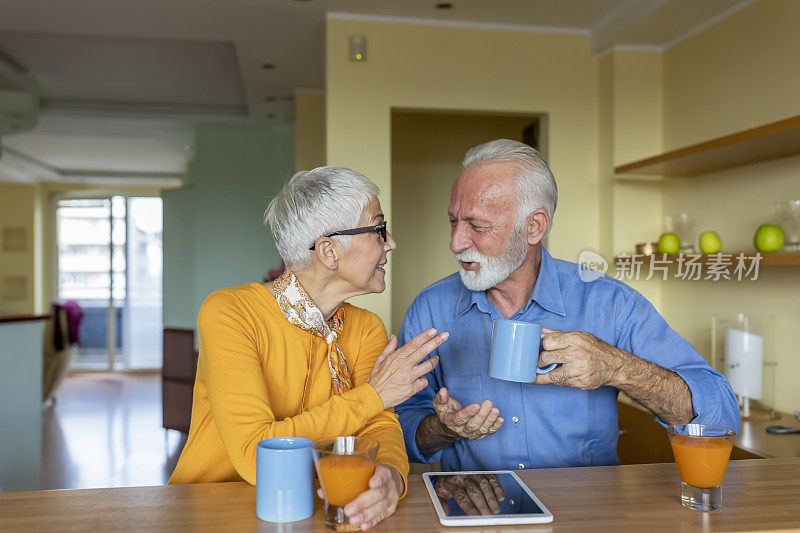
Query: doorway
<point x="109" y="261"/>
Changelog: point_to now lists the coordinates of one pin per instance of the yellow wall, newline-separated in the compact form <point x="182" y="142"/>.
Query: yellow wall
<point x="630" y="97"/>
<point x="18" y="210"/>
<point x="738" y="74"/>
<point x="309" y="130"/>
<point x="444" y="68"/>
<point x="427" y="149"/>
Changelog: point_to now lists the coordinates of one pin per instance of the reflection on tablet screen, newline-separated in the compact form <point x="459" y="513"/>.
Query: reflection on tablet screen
<point x="483" y="494"/>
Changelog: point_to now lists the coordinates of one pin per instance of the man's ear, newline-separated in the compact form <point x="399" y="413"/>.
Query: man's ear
<point x="328" y="252"/>
<point x="537" y="225"/>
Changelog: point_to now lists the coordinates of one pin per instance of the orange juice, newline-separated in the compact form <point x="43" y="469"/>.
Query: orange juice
<point x="343" y="477"/>
<point x="701" y="460"/>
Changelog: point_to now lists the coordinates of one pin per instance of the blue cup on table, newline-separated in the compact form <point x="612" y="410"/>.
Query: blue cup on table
<point x="515" y="351"/>
<point x="284" y="479"/>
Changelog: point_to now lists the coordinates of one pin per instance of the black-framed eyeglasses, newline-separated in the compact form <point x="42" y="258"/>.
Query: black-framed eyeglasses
<point x="380" y="228"/>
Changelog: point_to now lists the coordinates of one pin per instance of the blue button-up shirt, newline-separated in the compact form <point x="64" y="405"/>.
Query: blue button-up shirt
<point x="548" y="425"/>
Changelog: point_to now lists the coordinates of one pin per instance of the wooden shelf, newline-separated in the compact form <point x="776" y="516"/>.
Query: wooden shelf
<point x="774" y="259"/>
<point x="770" y="141"/>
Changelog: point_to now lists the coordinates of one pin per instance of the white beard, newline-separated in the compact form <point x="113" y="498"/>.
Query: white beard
<point x="493" y="270"/>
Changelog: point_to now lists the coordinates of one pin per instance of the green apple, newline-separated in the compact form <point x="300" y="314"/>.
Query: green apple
<point x="669" y="243"/>
<point x="769" y="238"/>
<point x="710" y="243"/>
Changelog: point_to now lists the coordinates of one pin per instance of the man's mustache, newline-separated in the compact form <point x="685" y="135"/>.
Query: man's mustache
<point x="469" y="256"/>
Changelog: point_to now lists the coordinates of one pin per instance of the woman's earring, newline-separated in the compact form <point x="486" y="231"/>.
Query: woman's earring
<point x="333" y="265"/>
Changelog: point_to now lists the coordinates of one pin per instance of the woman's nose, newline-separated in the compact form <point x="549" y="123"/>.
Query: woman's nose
<point x="390" y="243"/>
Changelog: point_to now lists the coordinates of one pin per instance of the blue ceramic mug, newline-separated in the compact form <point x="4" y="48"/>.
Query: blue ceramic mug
<point x="284" y="479"/>
<point x="515" y="351"/>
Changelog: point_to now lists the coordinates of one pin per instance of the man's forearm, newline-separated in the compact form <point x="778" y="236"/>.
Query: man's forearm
<point x="660" y="390"/>
<point x="433" y="436"/>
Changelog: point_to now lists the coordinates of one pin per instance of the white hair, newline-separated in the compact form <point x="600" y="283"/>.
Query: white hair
<point x="534" y="183"/>
<point x="314" y="203"/>
<point x="493" y="270"/>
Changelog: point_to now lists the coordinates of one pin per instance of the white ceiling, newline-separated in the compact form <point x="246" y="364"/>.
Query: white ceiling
<point x="128" y="69"/>
<point x="116" y="144"/>
<point x="124" y="83"/>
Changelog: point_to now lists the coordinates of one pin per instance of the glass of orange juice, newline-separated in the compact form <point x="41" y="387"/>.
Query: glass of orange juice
<point x="701" y="452"/>
<point x="344" y="466"/>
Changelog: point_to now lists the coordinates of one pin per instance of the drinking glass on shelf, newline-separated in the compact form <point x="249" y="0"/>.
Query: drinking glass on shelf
<point x="684" y="228"/>
<point x="701" y="452"/>
<point x="789" y="220"/>
<point x="344" y="466"/>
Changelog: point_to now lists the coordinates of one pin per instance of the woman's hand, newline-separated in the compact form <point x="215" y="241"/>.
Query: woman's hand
<point x="377" y="502"/>
<point x="398" y="374"/>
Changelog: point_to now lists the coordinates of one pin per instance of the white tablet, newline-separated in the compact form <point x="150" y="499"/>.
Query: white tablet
<point x="495" y="497"/>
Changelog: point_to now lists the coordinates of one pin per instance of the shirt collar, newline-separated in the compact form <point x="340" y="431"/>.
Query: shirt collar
<point x="546" y="291"/>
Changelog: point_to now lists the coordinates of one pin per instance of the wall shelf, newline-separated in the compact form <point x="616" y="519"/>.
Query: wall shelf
<point x="774" y="259"/>
<point x="770" y="141"/>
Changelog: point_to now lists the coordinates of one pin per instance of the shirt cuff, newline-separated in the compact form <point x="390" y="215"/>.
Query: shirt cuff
<point x="711" y="402"/>
<point x="412" y="422"/>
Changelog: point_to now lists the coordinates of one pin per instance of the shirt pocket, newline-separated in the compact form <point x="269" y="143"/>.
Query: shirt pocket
<point x="464" y="389"/>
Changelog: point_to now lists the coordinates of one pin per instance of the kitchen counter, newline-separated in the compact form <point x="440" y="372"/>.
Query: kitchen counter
<point x="20" y="400"/>
<point x="758" y="494"/>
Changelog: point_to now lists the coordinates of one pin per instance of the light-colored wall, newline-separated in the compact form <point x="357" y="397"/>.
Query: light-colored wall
<point x="427" y="149"/>
<point x="309" y="130"/>
<point x="18" y="209"/>
<point x="444" y="68"/>
<point x="605" y="155"/>
<point x="213" y="231"/>
<point x="738" y="74"/>
<point x="179" y="259"/>
<point x="630" y="212"/>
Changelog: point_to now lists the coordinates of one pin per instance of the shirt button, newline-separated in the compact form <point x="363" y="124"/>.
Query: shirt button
<point x="521" y="466"/>
<point x="515" y="419"/>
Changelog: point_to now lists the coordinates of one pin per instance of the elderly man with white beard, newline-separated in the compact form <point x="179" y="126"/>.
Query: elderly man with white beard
<point x="606" y="336"/>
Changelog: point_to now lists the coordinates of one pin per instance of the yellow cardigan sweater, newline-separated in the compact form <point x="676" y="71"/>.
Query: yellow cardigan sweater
<point x="260" y="376"/>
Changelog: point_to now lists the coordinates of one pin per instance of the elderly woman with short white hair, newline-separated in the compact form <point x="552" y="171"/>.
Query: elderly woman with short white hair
<point x="291" y="358"/>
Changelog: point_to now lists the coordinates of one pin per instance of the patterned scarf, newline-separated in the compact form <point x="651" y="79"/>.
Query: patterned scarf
<point x="301" y="311"/>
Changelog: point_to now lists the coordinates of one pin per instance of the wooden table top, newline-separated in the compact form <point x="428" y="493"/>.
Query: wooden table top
<point x="757" y="495"/>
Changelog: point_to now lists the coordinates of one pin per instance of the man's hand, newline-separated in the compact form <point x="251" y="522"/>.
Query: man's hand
<point x="589" y="363"/>
<point x="453" y="422"/>
<point x="475" y="494"/>
<point x="471" y="422"/>
<point x="377" y="502"/>
<point x="586" y="361"/>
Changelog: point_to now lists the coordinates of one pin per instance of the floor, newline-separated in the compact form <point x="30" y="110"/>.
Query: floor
<point x="104" y="430"/>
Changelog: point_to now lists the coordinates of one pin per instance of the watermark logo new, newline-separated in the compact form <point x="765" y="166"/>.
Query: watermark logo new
<point x="591" y="266"/>
<point x="694" y="267"/>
